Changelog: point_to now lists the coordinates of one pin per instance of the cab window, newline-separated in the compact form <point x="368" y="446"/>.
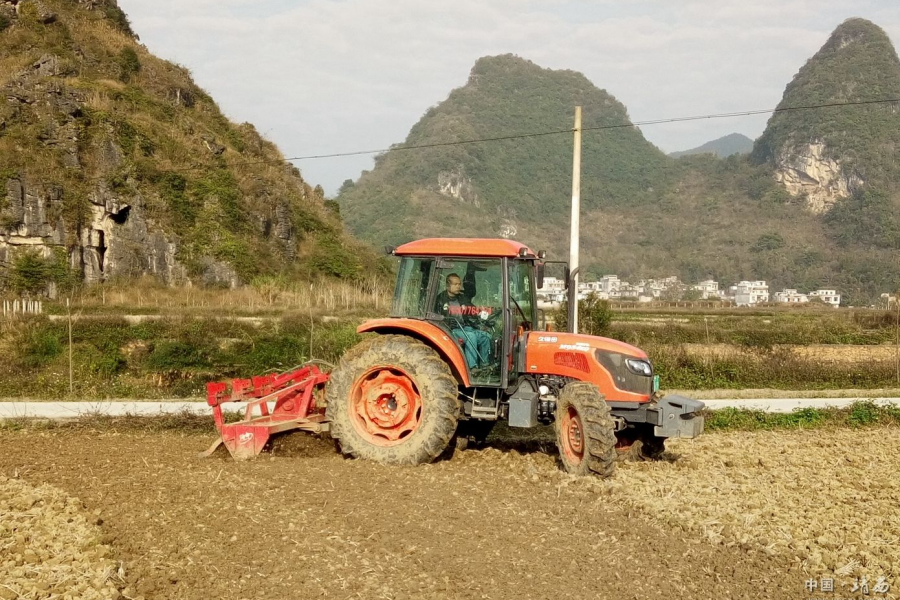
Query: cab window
<point x="521" y="293"/>
<point x="411" y="293"/>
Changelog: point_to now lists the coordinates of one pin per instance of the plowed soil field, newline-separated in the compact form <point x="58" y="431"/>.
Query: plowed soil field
<point x="501" y="522"/>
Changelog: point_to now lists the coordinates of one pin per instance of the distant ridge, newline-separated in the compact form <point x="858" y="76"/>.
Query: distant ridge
<point x="733" y="143"/>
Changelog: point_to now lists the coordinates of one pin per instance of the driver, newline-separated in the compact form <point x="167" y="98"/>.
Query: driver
<point x="458" y="310"/>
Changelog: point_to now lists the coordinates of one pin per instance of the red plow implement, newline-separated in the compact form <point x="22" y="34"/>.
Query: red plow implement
<point x="294" y="396"/>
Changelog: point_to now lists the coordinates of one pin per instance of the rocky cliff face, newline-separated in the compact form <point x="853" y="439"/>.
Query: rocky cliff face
<point x="810" y="173"/>
<point x="115" y="237"/>
<point x="456" y="185"/>
<point x="115" y="161"/>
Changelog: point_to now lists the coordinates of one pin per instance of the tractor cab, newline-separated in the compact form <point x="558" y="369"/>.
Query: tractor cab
<point x="479" y="293"/>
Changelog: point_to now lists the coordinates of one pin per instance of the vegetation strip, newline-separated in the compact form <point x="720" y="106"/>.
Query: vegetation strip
<point x="860" y="414"/>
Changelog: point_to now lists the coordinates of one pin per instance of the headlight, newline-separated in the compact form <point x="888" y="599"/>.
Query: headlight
<point x="640" y="367"/>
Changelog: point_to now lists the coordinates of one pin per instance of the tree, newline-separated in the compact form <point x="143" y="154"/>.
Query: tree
<point x="346" y="186"/>
<point x="692" y="295"/>
<point x="768" y="241"/>
<point x="129" y="64"/>
<point x="29" y="273"/>
<point x="594" y="315"/>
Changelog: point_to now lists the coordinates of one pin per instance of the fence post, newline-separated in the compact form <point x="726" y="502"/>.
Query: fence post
<point x="71" y="378"/>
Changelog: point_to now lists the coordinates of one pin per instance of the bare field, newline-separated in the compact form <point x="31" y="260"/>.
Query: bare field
<point x="826" y="500"/>
<point x="742" y="515"/>
<point x="823" y="353"/>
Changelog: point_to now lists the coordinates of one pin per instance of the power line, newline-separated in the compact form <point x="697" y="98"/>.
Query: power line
<point x="744" y="113"/>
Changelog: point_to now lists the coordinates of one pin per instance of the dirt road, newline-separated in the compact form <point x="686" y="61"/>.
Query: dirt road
<point x="305" y="523"/>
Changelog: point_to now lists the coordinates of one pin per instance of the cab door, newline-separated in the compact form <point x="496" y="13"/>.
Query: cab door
<point x="520" y="304"/>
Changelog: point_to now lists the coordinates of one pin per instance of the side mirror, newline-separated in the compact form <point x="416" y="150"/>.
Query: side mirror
<point x="568" y="277"/>
<point x="540" y="275"/>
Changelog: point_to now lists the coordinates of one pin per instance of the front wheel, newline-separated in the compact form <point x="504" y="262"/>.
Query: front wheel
<point x="392" y="399"/>
<point x="585" y="431"/>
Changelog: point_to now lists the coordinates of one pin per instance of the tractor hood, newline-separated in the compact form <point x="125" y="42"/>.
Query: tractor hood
<point x="622" y="372"/>
<point x="581" y="342"/>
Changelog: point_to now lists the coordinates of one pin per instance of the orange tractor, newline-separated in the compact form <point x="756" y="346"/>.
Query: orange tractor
<point x="464" y="348"/>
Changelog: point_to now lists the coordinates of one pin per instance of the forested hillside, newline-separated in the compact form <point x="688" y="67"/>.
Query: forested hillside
<point x="791" y="213"/>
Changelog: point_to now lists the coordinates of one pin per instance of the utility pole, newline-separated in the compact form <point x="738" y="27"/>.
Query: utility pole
<point x="574" y="239"/>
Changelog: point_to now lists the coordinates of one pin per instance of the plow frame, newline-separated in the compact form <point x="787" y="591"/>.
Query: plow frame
<point x="294" y="397"/>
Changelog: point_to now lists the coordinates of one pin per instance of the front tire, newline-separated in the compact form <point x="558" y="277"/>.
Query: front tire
<point x="393" y="400"/>
<point x="585" y="431"/>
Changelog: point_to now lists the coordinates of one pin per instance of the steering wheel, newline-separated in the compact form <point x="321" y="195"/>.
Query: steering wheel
<point x="521" y="312"/>
<point x="489" y="321"/>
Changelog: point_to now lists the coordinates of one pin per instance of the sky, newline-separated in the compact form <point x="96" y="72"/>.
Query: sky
<point x="329" y="76"/>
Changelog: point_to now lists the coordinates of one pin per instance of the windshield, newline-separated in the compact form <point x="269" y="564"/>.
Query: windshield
<point x="411" y="293"/>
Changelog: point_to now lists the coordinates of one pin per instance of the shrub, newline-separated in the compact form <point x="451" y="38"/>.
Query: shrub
<point x="333" y="259"/>
<point x="119" y="18"/>
<point x="41" y="345"/>
<point x="222" y="186"/>
<point x="32" y="273"/>
<point x="594" y="316"/>
<point x="863" y="413"/>
<point x="173" y="189"/>
<point x="175" y="355"/>
<point x="29" y="274"/>
<point x="129" y="64"/>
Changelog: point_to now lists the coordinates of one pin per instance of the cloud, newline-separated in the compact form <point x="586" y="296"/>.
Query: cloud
<point x="323" y="76"/>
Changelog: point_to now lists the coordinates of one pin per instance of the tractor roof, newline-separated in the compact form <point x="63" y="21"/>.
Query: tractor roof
<point x="464" y="247"/>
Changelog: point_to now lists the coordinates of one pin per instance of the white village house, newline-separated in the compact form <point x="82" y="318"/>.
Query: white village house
<point x="751" y="293"/>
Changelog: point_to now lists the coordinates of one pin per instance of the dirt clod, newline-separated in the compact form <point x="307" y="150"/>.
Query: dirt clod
<point x="49" y="544"/>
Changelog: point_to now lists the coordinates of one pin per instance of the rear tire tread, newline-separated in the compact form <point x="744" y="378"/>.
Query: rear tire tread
<point x="436" y="384"/>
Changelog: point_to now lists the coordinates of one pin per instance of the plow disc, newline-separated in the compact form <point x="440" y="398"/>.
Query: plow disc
<point x="294" y="397"/>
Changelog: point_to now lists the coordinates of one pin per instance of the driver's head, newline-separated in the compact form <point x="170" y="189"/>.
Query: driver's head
<point x="454" y="285"/>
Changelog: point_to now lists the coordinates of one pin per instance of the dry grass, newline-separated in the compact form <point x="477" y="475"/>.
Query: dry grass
<point x="752" y="394"/>
<point x="266" y="295"/>
<point x="11" y="66"/>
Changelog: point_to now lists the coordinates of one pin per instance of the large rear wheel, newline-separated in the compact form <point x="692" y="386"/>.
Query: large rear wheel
<point x="585" y="431"/>
<point x="392" y="399"/>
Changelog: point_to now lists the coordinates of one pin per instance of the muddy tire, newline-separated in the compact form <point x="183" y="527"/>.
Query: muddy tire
<point x="393" y="400"/>
<point x="585" y="431"/>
